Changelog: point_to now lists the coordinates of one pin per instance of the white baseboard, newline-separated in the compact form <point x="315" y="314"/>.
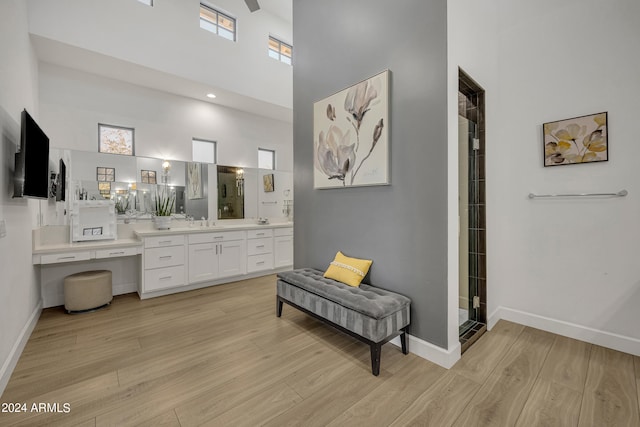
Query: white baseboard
<point x="430" y="352"/>
<point x="571" y="330"/>
<point x="9" y="365"/>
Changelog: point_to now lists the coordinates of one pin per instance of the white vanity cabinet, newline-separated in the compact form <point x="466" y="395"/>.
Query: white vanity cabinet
<point x="259" y="250"/>
<point x="191" y="258"/>
<point x="216" y="255"/>
<point x="163" y="262"/>
<point x="283" y="247"/>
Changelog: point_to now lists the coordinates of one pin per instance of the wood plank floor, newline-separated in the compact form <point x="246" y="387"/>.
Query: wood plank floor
<point x="220" y="357"/>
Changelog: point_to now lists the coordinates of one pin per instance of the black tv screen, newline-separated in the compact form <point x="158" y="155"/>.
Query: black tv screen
<point x="32" y="162"/>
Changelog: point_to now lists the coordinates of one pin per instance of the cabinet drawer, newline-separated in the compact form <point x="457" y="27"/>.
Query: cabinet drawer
<point x="116" y="252"/>
<point x="163" y="278"/>
<point x="215" y="237"/>
<point x="283" y="231"/>
<point x="259" y="246"/>
<point x="259" y="262"/>
<point x="65" y="257"/>
<point x="160" y="241"/>
<point x="258" y="234"/>
<point x="164" y="257"/>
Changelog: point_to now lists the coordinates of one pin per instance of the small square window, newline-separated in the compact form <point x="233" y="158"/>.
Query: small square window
<point x="105" y="174"/>
<point x="217" y="22"/>
<point x="148" y="177"/>
<point x="280" y="50"/>
<point x="204" y="151"/>
<point x="115" y="140"/>
<point x="266" y="159"/>
<point x="104" y="188"/>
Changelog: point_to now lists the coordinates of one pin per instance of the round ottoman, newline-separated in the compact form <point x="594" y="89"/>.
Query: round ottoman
<point x="88" y="290"/>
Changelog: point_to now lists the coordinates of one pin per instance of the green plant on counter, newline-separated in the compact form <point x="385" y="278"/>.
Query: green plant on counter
<point x="122" y="204"/>
<point x="165" y="200"/>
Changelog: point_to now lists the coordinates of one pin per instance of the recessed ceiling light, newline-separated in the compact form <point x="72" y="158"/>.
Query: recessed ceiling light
<point x="211" y="95"/>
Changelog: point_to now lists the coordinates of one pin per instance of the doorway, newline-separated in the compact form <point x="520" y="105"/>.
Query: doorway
<point x="472" y="311"/>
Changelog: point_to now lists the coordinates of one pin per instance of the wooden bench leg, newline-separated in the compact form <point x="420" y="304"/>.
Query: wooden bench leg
<point x="403" y="340"/>
<point x="376" y="349"/>
<point x="278" y="307"/>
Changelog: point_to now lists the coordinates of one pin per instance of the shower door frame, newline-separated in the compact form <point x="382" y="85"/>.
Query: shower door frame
<point x="474" y="111"/>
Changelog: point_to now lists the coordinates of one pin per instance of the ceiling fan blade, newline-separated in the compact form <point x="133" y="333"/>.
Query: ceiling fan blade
<point x="252" y="5"/>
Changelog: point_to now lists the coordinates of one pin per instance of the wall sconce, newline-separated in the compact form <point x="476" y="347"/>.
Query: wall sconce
<point x="239" y="181"/>
<point x="166" y="168"/>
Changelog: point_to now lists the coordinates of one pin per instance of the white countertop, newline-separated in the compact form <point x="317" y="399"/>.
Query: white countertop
<point x="196" y="228"/>
<point x="81" y="246"/>
<point x="56" y="239"/>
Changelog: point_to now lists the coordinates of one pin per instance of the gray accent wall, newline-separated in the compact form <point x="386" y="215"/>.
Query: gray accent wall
<point x="402" y="227"/>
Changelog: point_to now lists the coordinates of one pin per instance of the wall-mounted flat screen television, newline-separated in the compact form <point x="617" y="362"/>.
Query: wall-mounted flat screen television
<point x="31" y="177"/>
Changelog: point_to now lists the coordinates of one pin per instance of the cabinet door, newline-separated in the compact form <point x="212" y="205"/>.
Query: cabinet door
<point x="232" y="258"/>
<point x="283" y="247"/>
<point x="203" y="262"/>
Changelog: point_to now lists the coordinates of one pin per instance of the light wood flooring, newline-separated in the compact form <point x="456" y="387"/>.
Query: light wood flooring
<point x="220" y="357"/>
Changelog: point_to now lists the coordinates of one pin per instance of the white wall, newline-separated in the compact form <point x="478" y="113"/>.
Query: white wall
<point x="19" y="293"/>
<point x="568" y="266"/>
<point x="72" y="103"/>
<point x="168" y="37"/>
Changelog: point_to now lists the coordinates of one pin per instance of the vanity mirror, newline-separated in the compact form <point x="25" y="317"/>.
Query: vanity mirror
<point x="203" y="190"/>
<point x="237" y="192"/>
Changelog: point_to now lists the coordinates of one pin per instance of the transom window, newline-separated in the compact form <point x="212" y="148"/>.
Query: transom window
<point x="204" y="151"/>
<point x="280" y="51"/>
<point x="266" y="159"/>
<point x="217" y="22"/>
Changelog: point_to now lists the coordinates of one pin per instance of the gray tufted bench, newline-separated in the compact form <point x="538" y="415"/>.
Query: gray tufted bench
<point x="370" y="314"/>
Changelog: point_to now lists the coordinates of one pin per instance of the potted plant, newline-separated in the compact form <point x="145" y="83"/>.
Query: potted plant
<point x="122" y="204"/>
<point x="165" y="201"/>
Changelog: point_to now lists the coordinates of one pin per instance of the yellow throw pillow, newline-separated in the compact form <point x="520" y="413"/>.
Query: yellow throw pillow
<point x="347" y="270"/>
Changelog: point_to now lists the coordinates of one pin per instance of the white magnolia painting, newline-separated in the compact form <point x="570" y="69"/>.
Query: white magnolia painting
<point x="351" y="138"/>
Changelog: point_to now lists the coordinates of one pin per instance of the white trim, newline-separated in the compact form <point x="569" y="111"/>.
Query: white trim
<point x="583" y="333"/>
<point x="430" y="352"/>
<point x="9" y="365"/>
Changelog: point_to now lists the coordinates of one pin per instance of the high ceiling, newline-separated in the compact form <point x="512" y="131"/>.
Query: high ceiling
<point x="281" y="8"/>
<point x="66" y="55"/>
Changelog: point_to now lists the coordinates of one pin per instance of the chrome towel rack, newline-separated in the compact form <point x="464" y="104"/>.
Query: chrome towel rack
<point x="270" y="203"/>
<point x="620" y="193"/>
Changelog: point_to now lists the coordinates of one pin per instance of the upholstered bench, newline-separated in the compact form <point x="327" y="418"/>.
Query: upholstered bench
<point x="368" y="313"/>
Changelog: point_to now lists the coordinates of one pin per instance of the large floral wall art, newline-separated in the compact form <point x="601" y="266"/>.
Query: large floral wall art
<point x="351" y="137"/>
<point x="578" y="140"/>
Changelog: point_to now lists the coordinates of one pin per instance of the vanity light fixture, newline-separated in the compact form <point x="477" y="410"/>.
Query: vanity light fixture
<point x="240" y="182"/>
<point x="166" y="167"/>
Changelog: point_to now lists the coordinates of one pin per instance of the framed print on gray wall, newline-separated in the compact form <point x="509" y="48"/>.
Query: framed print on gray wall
<point x="578" y="140"/>
<point x="351" y="135"/>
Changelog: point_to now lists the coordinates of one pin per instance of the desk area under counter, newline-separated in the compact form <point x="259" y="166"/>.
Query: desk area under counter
<point x="56" y="257"/>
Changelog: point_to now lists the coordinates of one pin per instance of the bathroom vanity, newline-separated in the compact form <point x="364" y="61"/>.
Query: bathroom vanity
<point x="159" y="262"/>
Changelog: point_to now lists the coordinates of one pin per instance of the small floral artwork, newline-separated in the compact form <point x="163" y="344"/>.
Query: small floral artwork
<point x="578" y="140"/>
<point x="115" y="140"/>
<point x="351" y="138"/>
